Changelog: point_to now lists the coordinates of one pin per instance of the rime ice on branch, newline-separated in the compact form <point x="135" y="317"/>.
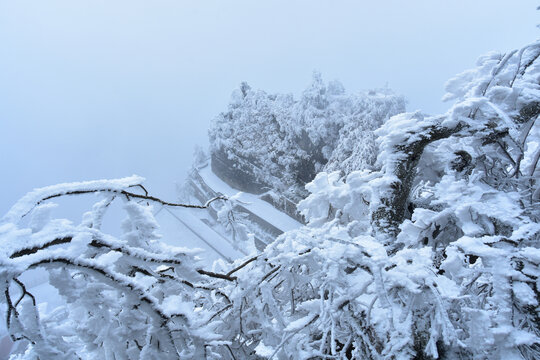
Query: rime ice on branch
<point x="430" y="250"/>
<point x="431" y="253"/>
<point x="126" y="297"/>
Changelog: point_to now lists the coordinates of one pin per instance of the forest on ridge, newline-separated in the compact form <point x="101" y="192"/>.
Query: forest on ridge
<point x="418" y="235"/>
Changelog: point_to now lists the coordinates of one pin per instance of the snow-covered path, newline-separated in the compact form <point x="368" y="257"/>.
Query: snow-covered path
<point x="191" y="227"/>
<point x="187" y="228"/>
<point x="252" y="202"/>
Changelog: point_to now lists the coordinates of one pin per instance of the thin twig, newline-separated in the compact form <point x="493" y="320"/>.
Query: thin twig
<point x="242" y="265"/>
<point x="134" y="195"/>
<point x="128" y="195"/>
<point x="216" y="275"/>
<point x="24" y="292"/>
<point x="141" y="187"/>
<point x="270" y="273"/>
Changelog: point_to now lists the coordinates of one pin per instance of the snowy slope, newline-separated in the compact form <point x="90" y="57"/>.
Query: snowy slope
<point x="186" y="228"/>
<point x="192" y="227"/>
<point x="251" y="202"/>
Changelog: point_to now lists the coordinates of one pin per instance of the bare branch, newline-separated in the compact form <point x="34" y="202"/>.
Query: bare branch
<point x="242" y="265"/>
<point x="141" y="187"/>
<point x="33" y="250"/>
<point x="128" y="196"/>
<point x="216" y="275"/>
<point x="10" y="309"/>
<point x="24" y="292"/>
<point x="133" y="195"/>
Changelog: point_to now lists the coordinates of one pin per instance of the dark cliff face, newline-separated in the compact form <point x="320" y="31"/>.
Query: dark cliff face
<point x="238" y="174"/>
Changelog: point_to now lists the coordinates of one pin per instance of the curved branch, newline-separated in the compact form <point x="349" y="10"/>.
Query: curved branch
<point x="133" y="195"/>
<point x="128" y="196"/>
<point x="141" y="187"/>
<point x="144" y="255"/>
<point x="24" y="292"/>
<point x="242" y="265"/>
<point x="390" y="214"/>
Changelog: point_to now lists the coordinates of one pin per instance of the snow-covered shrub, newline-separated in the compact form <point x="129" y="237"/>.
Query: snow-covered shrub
<point x="236" y="224"/>
<point x="126" y="297"/>
<point x="431" y="253"/>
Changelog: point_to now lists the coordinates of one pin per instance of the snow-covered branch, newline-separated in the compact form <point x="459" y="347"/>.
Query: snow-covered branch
<point x="102" y="275"/>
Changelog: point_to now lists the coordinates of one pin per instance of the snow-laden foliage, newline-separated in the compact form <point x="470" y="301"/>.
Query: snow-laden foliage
<point x="236" y="223"/>
<point x="126" y="297"/>
<point x="429" y="250"/>
<point x="282" y="143"/>
<point x="432" y="253"/>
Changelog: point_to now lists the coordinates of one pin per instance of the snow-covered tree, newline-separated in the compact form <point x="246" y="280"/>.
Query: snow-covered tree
<point x="126" y="297"/>
<point x="424" y="246"/>
<point x="267" y="141"/>
<point x="431" y="253"/>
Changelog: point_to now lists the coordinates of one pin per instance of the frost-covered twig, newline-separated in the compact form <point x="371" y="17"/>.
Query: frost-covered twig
<point x="245" y="263"/>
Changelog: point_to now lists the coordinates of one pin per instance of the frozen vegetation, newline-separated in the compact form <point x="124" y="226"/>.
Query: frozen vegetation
<point x="421" y="238"/>
<point x="272" y="141"/>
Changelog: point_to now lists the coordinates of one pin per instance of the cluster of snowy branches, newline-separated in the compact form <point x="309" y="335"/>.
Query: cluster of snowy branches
<point x="125" y="298"/>
<point x="428" y="249"/>
<point x="433" y="253"/>
<point x="284" y="143"/>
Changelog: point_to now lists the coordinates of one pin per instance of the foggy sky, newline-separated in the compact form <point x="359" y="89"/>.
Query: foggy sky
<point x="107" y="88"/>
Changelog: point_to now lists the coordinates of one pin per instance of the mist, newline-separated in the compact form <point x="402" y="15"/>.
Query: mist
<point x="101" y="89"/>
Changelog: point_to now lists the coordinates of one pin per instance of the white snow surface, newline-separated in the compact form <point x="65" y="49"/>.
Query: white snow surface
<point x="184" y="227"/>
<point x="251" y="202"/>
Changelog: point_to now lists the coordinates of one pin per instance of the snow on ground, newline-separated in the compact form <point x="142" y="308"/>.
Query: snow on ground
<point x="186" y="228"/>
<point x="191" y="227"/>
<point x="253" y="203"/>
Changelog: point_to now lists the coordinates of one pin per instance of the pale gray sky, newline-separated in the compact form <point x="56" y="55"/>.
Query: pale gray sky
<point x="107" y="88"/>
